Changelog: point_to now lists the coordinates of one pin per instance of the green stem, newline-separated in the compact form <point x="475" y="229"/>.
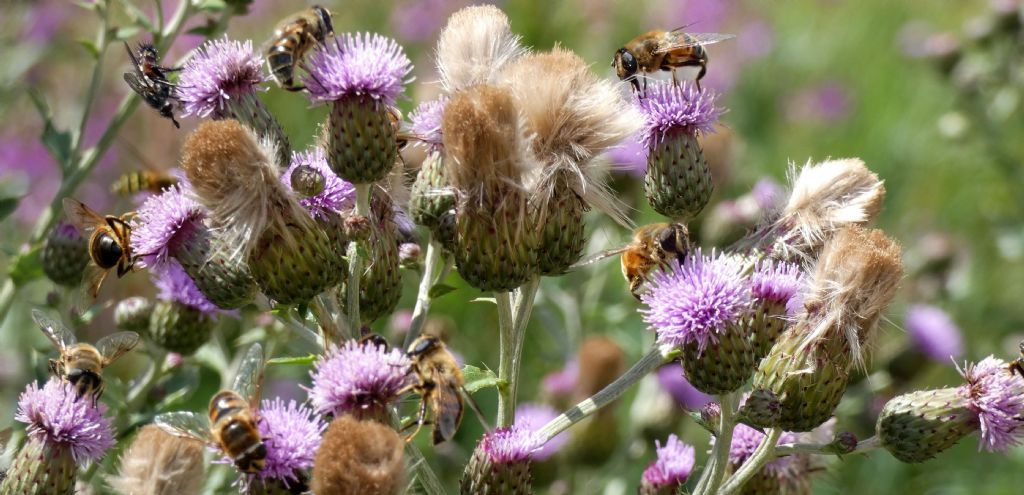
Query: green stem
<point x="863" y="447"/>
<point x="764" y="453"/>
<point x="434" y="268"/>
<point x="331" y="333"/>
<point x="355" y="262"/>
<point x="102" y="41"/>
<point x="426" y="477"/>
<point x="522" y="308"/>
<point x="506" y="331"/>
<point x="137" y="395"/>
<point x="712" y="476"/>
<point x="651" y="361"/>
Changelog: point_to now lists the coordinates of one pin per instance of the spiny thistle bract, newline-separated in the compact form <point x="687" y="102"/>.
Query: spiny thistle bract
<point x="359" y="456"/>
<point x="221" y="80"/>
<point x="500" y="464"/>
<point x="670" y="470"/>
<point x="159" y="463"/>
<point x="65" y="255"/>
<point x="917" y="426"/>
<point x="182" y="319"/>
<point x="432" y="194"/>
<point x="678" y="180"/>
<point x="133" y="314"/>
<point x="63" y="433"/>
<point x="360" y="76"/>
<point x="808" y="368"/>
<point x="774" y="284"/>
<point x="357" y="378"/>
<point x="380" y="287"/>
<point x="330" y="205"/>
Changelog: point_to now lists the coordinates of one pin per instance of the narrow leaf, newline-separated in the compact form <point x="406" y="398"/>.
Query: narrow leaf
<point x="478" y="379"/>
<point x="439" y="290"/>
<point x="294" y="360"/>
<point x="90" y="47"/>
<point x="7" y="206"/>
<point x="26" y="266"/>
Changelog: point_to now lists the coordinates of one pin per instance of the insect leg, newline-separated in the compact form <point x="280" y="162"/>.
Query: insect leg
<point x="421" y="419"/>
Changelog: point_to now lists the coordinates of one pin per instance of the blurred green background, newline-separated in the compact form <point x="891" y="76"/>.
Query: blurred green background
<point x="928" y="94"/>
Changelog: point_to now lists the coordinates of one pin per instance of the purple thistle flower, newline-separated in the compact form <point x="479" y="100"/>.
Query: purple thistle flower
<point x="671" y="379"/>
<point x="426" y="122"/>
<point x="696" y="301"/>
<point x="668" y="108"/>
<point x="533" y="416"/>
<point x="57" y="415"/>
<point x="563" y="381"/>
<point x="337" y="196"/>
<point x="219" y="71"/>
<point x="629" y="157"/>
<point x="361" y="64"/>
<point x="163" y="223"/>
<point x="358" y="376"/>
<point x="933" y="333"/>
<point x="292" y="435"/>
<point x="776" y="282"/>
<point x="673" y="464"/>
<point x="745" y="441"/>
<point x="996" y="395"/>
<point x="768" y="194"/>
<point x="174" y="284"/>
<point x="510" y="445"/>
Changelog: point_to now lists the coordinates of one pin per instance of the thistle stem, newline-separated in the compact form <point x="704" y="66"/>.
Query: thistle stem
<point x="355" y="262"/>
<point x="656" y="357"/>
<point x="506" y="331"/>
<point x="712" y="476"/>
<point x="137" y="395"/>
<point x="522" y="308"/>
<point x="863" y="447"/>
<point x="435" y="267"/>
<point x="764" y="453"/>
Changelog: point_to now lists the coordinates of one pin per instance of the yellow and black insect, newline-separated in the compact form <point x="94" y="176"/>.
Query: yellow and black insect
<point x="653" y="246"/>
<point x="81" y="364"/>
<point x="149" y="79"/>
<point x="293" y="38"/>
<point x="664" y="50"/>
<point x="231" y="423"/>
<point x="109" y="246"/>
<point x="143" y="181"/>
<point x="1017" y="365"/>
<point x="439" y="385"/>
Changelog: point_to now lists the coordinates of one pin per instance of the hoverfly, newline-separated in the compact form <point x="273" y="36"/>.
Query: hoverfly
<point x="109" y="242"/>
<point x="149" y="80"/>
<point x="81" y="364"/>
<point x="664" y="50"/>
<point x="231" y="423"/>
<point x="439" y="385"/>
<point x="653" y="245"/>
<point x="293" y="38"/>
<point x="143" y="181"/>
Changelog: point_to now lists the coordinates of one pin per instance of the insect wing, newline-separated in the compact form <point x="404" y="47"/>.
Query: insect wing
<point x="82" y="216"/>
<point x="59" y="334"/>
<point x="116" y="344"/>
<point x="185" y="424"/>
<point x="678" y="39"/>
<point x="594" y="258"/>
<point x="249" y="379"/>
<point x="447" y="405"/>
<point x="131" y="55"/>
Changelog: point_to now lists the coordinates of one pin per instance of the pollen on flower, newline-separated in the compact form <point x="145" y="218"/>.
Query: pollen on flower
<point x="292" y="434"/>
<point x="426" y="123"/>
<point x="220" y="70"/>
<point x="56" y="414"/>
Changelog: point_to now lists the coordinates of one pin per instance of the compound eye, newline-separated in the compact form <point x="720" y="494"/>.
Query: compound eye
<point x="628" y="62"/>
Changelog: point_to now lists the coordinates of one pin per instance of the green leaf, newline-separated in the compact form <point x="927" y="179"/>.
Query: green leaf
<point x="206" y="30"/>
<point x="7" y="206"/>
<point x="294" y="360"/>
<point x="138" y="16"/>
<point x="484" y="300"/>
<point x="439" y="290"/>
<point x="361" y="249"/>
<point x="88" y="5"/>
<point x="478" y="379"/>
<point x="90" y="47"/>
<point x="57" y="142"/>
<point x="211" y="5"/>
<point x="126" y="32"/>
<point x="26" y="266"/>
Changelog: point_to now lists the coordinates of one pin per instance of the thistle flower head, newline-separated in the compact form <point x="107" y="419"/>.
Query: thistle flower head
<point x="337" y="194"/>
<point x="474" y="46"/>
<point x="673" y="464"/>
<point x="776" y="282"/>
<point x="292" y="435"/>
<point x="426" y="123"/>
<point x="219" y="70"/>
<point x="996" y="394"/>
<point x="163" y="223"/>
<point x="159" y="463"/>
<point x="745" y="441"/>
<point x="696" y="301"/>
<point x="55" y="414"/>
<point x="358" y="376"/>
<point x="510" y="445"/>
<point x="826" y="197"/>
<point x="933" y="333"/>
<point x="532" y="416"/>
<point x="669" y="108"/>
<point x="361" y="64"/>
<point x="174" y="284"/>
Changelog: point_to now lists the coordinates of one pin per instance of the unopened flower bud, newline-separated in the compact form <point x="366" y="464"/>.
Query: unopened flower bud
<point x="132" y="314"/>
<point x="359" y="456"/>
<point x="843" y="443"/>
<point x="431" y="195"/>
<point x="761" y="408"/>
<point x="178" y="327"/>
<point x="380" y="286"/>
<point x="65" y="255"/>
<point x="307" y="180"/>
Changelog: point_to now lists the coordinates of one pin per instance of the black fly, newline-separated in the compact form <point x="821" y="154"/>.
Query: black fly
<point x="149" y="79"/>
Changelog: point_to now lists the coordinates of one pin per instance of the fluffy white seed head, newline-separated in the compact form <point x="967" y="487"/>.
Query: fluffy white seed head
<point x="474" y="46"/>
<point x="157" y="463"/>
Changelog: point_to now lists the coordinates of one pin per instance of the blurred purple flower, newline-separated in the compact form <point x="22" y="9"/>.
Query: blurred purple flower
<point x="562" y="382"/>
<point x="43" y="20"/>
<point x="510" y="445"/>
<point x="426" y="123"/>
<point x="828" y="102"/>
<point x="933" y="333"/>
<point x="673" y="465"/>
<point x="55" y="414"/>
<point x="746" y="439"/>
<point x="672" y="380"/>
<point x="756" y="39"/>
<point x="400" y="322"/>
<point x="292" y="435"/>
<point x="25" y="158"/>
<point x="629" y="157"/>
<point x="533" y="416"/>
<point x="361" y="64"/>
<point x="697" y="15"/>
<point x="768" y="194"/>
<point x="996" y="395"/>
<point x="421" y="20"/>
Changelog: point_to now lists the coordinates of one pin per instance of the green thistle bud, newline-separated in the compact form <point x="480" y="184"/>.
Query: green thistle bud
<point x="431" y="195"/>
<point x="361" y="140"/>
<point x="561" y="228"/>
<point x="380" y="286"/>
<point x="133" y="314"/>
<point x="500" y="464"/>
<point x="295" y="272"/>
<point x="678" y="180"/>
<point x="761" y="408"/>
<point x="65" y="255"/>
<point x="225" y="280"/>
<point x="720" y="367"/>
<point x="918" y="426"/>
<point x="40" y="469"/>
<point x="178" y="327"/>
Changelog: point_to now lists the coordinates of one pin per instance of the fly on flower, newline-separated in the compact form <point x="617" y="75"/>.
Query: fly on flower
<point x="109" y="246"/>
<point x="664" y="50"/>
<point x="232" y="422"/>
<point x="80" y="363"/>
<point x="653" y="245"/>
<point x="149" y="79"/>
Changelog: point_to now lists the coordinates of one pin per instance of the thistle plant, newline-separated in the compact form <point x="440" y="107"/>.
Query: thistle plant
<point x="308" y="254"/>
